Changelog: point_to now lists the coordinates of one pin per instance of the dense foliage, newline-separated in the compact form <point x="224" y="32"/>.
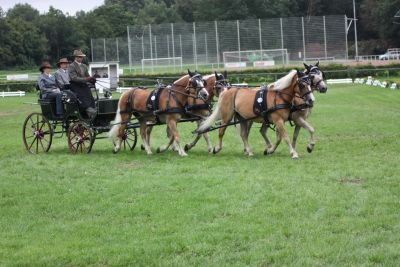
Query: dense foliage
<point x="27" y="37"/>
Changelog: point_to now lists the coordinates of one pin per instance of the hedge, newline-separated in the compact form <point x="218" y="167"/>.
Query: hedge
<point x="332" y="71"/>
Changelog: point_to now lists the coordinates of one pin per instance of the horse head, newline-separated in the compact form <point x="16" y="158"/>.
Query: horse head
<point x="221" y="83"/>
<point x="304" y="83"/>
<point x="317" y="77"/>
<point x="196" y="83"/>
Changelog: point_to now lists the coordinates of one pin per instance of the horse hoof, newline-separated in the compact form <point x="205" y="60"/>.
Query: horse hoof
<point x="158" y="150"/>
<point x="142" y="147"/>
<point x="295" y="157"/>
<point x="115" y="152"/>
<point x="214" y="151"/>
<point x="186" y="148"/>
<point x="310" y="148"/>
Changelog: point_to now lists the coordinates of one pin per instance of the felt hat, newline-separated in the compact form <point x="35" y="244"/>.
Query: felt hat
<point x="78" y="53"/>
<point x="62" y="60"/>
<point x="45" y="65"/>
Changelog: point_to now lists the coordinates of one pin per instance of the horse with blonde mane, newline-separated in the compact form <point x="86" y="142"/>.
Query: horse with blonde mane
<point x="301" y="111"/>
<point x="276" y="101"/>
<point x="170" y="104"/>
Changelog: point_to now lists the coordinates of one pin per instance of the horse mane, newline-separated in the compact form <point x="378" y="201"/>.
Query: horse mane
<point x="178" y="82"/>
<point x="284" y="82"/>
<point x="208" y="76"/>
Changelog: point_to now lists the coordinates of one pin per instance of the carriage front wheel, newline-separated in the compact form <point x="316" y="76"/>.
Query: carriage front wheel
<point x="37" y="133"/>
<point x="129" y="139"/>
<point x="80" y="138"/>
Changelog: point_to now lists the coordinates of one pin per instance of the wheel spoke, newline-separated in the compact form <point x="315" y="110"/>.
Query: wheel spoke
<point x="42" y="145"/>
<point x="77" y="147"/>
<point x="32" y="143"/>
<point x="37" y="146"/>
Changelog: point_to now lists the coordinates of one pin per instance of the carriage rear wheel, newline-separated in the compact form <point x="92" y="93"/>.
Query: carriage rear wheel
<point x="37" y="133"/>
<point x="129" y="139"/>
<point x="80" y="138"/>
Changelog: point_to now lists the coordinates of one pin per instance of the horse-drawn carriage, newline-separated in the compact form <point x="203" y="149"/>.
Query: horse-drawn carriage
<point x="39" y="129"/>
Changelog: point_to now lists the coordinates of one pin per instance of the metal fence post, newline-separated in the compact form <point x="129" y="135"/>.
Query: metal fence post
<point x="91" y="48"/>
<point x="180" y="47"/>
<point x="304" y="40"/>
<point x="206" y="47"/>
<point x="117" y="46"/>
<point x="151" y="49"/>
<point x="326" y="51"/>
<point x="216" y="41"/>
<point x="345" y="31"/>
<point x="173" y="43"/>
<point x="238" y="39"/>
<point x="259" y="33"/>
<point x="194" y="44"/>
<point x="155" y="46"/>
<point x="282" y="44"/>
<point x="129" y="49"/>
<point x="105" y="52"/>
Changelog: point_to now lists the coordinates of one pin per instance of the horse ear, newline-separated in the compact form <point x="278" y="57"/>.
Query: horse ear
<point x="190" y="73"/>
<point x="306" y="66"/>
<point x="225" y="74"/>
<point x="317" y="64"/>
<point x="216" y="74"/>
<point x="299" y="73"/>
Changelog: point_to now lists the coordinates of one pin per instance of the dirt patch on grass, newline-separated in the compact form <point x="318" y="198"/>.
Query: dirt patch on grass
<point x="129" y="165"/>
<point x="4" y="114"/>
<point x="351" y="180"/>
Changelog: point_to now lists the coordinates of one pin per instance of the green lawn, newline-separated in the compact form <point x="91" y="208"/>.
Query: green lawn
<point x="338" y="206"/>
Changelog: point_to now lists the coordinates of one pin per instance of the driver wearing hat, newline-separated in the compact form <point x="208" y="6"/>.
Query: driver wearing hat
<point x="79" y="79"/>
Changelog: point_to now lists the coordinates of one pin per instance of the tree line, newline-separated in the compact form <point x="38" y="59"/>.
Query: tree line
<point x="28" y="37"/>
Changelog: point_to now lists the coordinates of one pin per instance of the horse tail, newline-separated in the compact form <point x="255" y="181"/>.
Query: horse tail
<point x="113" y="133"/>
<point x="216" y="115"/>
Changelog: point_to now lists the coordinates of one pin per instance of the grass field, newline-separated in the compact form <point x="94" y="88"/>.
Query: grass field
<point x="338" y="206"/>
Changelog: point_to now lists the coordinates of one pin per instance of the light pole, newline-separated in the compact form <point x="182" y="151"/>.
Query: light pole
<point x="355" y="27"/>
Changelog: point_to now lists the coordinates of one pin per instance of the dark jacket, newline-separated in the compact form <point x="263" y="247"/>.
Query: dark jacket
<point x="47" y="84"/>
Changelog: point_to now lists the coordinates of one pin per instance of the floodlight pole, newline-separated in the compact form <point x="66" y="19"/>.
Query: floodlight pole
<point x="355" y="28"/>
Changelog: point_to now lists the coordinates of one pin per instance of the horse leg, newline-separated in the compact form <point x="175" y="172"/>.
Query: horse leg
<point x="273" y="147"/>
<point x="295" y="134"/>
<point x="301" y="122"/>
<point x="283" y="135"/>
<point x="118" y="131"/>
<point x="218" y="147"/>
<point x="143" y="135"/>
<point x="171" y="122"/>
<point x="148" y="133"/>
<point x="244" y="133"/>
<point x="263" y="132"/>
<point x="170" y="142"/>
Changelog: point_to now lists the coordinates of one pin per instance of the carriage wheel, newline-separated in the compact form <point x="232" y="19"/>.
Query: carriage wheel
<point x="80" y="138"/>
<point x="129" y="139"/>
<point x="37" y="133"/>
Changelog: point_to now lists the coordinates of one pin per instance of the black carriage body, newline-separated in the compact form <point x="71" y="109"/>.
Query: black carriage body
<point x="75" y="124"/>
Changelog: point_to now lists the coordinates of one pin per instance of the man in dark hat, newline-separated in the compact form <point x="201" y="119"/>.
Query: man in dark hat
<point x="61" y="75"/>
<point x="49" y="89"/>
<point x="79" y="79"/>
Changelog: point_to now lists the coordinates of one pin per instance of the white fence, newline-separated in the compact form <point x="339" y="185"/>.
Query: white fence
<point x="17" y="93"/>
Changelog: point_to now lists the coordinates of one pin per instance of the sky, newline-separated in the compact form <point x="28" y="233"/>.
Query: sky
<point x="70" y="6"/>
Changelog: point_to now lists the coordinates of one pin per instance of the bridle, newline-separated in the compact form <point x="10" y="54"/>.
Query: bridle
<point x="187" y="91"/>
<point x="315" y="70"/>
<point x="220" y="85"/>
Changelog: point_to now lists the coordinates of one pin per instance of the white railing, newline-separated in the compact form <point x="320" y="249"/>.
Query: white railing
<point x="17" y="93"/>
<point x="339" y="81"/>
<point x="367" y="57"/>
<point x="123" y="89"/>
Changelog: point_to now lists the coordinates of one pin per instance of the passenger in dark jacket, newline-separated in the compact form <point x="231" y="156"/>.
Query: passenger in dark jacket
<point x="48" y="88"/>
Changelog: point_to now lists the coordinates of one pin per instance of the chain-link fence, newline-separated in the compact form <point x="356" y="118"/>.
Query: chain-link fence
<point x="230" y="44"/>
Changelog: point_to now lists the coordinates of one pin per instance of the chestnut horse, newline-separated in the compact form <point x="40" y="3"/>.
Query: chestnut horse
<point x="239" y="103"/>
<point x="215" y="84"/>
<point x="300" y="110"/>
<point x="172" y="101"/>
